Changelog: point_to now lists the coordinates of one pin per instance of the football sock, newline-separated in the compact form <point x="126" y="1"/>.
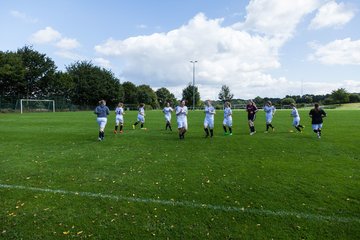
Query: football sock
<point x="225" y="128"/>
<point x="211" y="132"/>
<point x="206" y="131"/>
<point x="319" y="131"/>
<point x="315" y="131"/>
<point x="142" y="125"/>
<point x="99" y="134"/>
<point x="252" y="129"/>
<point x="116" y="127"/>
<point x="270" y="125"/>
<point x="230" y="130"/>
<point x="170" y="127"/>
<point x="136" y="123"/>
<point x="121" y="128"/>
<point x="297" y="128"/>
<point x="267" y="127"/>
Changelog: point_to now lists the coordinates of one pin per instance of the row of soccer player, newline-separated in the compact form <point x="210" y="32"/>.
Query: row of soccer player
<point x="181" y="111"/>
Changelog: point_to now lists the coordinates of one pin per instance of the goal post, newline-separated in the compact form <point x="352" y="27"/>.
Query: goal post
<point x="35" y="105"/>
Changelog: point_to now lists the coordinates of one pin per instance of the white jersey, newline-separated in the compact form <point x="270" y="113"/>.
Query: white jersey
<point x="181" y="116"/>
<point x="227" y="113"/>
<point x="167" y="112"/>
<point x="269" y="113"/>
<point x="296" y="116"/>
<point x="119" y="111"/>
<point x="141" y="115"/>
<point x="295" y="113"/>
<point x="227" y="117"/>
<point x="209" y="117"/>
<point x="209" y="112"/>
<point x="181" y="112"/>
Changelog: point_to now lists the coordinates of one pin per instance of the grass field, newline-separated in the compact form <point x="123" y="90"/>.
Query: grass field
<point x="57" y="181"/>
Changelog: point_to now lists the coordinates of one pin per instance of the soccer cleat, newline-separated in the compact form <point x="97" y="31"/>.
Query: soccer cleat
<point x="273" y="129"/>
<point x="252" y="133"/>
<point x="115" y="131"/>
<point x="133" y="127"/>
<point x="121" y="131"/>
<point x="230" y="134"/>
<point x="266" y="132"/>
<point x="99" y="139"/>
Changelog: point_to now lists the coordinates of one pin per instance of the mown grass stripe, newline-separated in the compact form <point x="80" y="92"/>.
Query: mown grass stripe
<point x="279" y="213"/>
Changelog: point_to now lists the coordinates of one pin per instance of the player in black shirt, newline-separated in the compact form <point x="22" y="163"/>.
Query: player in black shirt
<point x="317" y="114"/>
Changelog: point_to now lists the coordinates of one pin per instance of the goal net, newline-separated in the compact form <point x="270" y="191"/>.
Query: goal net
<point x="34" y="105"/>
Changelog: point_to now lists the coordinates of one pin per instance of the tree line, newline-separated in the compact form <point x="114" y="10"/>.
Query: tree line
<point x="27" y="73"/>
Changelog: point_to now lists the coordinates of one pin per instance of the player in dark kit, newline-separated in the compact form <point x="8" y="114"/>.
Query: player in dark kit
<point x="317" y="115"/>
<point x="251" y="109"/>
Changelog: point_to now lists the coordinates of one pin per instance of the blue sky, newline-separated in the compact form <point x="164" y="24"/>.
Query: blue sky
<point x="267" y="48"/>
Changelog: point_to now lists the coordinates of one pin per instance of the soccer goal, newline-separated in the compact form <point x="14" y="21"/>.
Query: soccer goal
<point x="35" y="105"/>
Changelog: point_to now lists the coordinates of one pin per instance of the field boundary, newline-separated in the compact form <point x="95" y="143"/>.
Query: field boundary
<point x="189" y="204"/>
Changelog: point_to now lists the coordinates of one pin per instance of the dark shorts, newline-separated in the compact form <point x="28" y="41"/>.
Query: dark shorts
<point x="251" y="117"/>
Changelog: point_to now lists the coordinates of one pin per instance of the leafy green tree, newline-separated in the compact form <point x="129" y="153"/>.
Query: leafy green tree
<point x="187" y="95"/>
<point x="164" y="96"/>
<point x="61" y="85"/>
<point x="39" y="69"/>
<point x="259" y="101"/>
<point x="93" y="83"/>
<point x="225" y="94"/>
<point x="287" y="101"/>
<point x="340" y="96"/>
<point x="12" y="75"/>
<point x="354" y="97"/>
<point x="130" y="93"/>
<point x="147" y="95"/>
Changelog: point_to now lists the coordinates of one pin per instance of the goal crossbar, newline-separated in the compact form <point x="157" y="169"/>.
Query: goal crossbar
<point x="36" y="100"/>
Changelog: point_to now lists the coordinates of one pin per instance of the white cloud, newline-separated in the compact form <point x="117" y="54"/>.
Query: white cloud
<point x="46" y="35"/>
<point x="23" y="16"/>
<point x="68" y="43"/>
<point x="102" y="62"/>
<point x="232" y="55"/>
<point x="332" y="14"/>
<point x="338" y="52"/>
<point x="223" y="54"/>
<point x="276" y="17"/>
<point x="70" y="55"/>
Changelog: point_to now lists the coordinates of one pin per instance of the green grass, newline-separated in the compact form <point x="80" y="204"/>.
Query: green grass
<point x="280" y="185"/>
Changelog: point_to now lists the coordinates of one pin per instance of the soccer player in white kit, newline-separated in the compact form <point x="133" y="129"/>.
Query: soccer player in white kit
<point x="269" y="114"/>
<point x="296" y="118"/>
<point x="140" y="117"/>
<point x="181" y="117"/>
<point x="119" y="118"/>
<point x="102" y="111"/>
<point x="167" y="112"/>
<point x="227" y="118"/>
<point x="209" y="119"/>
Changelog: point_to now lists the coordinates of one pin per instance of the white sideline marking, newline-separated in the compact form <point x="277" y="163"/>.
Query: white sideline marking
<point x="314" y="217"/>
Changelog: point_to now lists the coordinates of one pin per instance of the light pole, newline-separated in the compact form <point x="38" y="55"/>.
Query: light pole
<point x="193" y="63"/>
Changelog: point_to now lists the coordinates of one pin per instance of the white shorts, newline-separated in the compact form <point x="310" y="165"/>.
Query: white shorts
<point x="141" y="118"/>
<point x="119" y="119"/>
<point x="317" y="126"/>
<point x="182" y="123"/>
<point x="227" y="122"/>
<point x="208" y="122"/>
<point x="296" y="121"/>
<point x="168" y="118"/>
<point x="102" y="122"/>
<point x="269" y="118"/>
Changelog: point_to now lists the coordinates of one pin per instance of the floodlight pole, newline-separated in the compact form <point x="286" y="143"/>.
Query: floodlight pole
<point x="193" y="63"/>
